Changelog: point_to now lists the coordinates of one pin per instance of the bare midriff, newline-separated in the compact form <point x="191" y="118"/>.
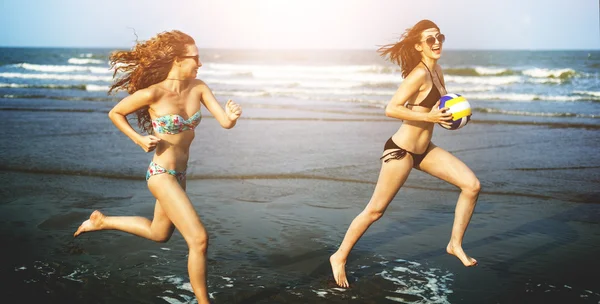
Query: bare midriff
<point x="414" y="136"/>
<point x="173" y="150"/>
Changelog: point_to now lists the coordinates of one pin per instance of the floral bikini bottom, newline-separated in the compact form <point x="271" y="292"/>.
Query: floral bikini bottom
<point x="155" y="169"/>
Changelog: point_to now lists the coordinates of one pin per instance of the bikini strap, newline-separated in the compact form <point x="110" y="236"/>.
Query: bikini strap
<point x="436" y="74"/>
<point x="427" y="69"/>
<point x="397" y="154"/>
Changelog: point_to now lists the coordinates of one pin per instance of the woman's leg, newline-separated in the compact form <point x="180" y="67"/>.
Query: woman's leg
<point x="392" y="176"/>
<point x="159" y="229"/>
<point x="447" y="167"/>
<point x="179" y="209"/>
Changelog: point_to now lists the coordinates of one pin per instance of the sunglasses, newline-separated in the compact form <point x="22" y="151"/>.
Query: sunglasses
<point x="195" y="57"/>
<point x="431" y="40"/>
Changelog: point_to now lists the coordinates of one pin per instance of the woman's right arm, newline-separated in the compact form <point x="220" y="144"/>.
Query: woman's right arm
<point x="128" y="105"/>
<point x="408" y="89"/>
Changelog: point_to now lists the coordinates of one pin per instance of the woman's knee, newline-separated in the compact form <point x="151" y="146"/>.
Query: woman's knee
<point x="373" y="214"/>
<point x="473" y="186"/>
<point x="162" y="238"/>
<point x="198" y="242"/>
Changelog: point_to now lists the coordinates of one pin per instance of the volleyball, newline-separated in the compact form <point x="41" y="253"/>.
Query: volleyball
<point x="460" y="109"/>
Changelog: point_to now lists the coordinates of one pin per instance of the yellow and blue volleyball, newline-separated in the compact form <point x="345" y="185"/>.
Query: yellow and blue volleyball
<point x="460" y="109"/>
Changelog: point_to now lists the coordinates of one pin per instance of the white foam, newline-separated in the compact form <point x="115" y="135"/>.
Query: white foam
<point x="85" y="61"/>
<point x="589" y="93"/>
<point x="539" y="114"/>
<point x="385" y="275"/>
<point x="283" y="69"/>
<point x="544" y="80"/>
<point x="56" y="77"/>
<point x="545" y="73"/>
<point x="409" y="280"/>
<point x="242" y="93"/>
<point x="320" y="76"/>
<point x="404" y="269"/>
<point x="337" y="77"/>
<point x="42" y="86"/>
<point x="13" y="85"/>
<point x="494" y="80"/>
<point x="545" y="287"/>
<point x="321" y="293"/>
<point x="489" y="70"/>
<point x="522" y="97"/>
<point x="296" y="82"/>
<point x="471" y="88"/>
<point x="104" y="275"/>
<point x="177" y="281"/>
<point x="289" y="82"/>
<point x="93" y="87"/>
<point x="186" y="286"/>
<point x="62" y="68"/>
<point x="73" y="276"/>
<point x="299" y="92"/>
<point x="45" y="269"/>
<point x="172" y="300"/>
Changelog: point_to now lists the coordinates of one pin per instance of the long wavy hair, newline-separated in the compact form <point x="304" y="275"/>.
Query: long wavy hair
<point x="147" y="63"/>
<point x="403" y="53"/>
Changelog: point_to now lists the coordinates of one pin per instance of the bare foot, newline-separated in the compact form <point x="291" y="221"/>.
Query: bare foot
<point x="338" y="266"/>
<point x="94" y="223"/>
<point x="458" y="252"/>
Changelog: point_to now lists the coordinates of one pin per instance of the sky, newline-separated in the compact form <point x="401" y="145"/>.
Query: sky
<point x="302" y="24"/>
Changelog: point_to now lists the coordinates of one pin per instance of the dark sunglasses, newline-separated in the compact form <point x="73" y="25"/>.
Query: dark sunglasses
<point x="431" y="40"/>
<point x="195" y="57"/>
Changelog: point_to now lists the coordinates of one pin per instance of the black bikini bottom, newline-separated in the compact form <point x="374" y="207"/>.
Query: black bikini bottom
<point x="399" y="153"/>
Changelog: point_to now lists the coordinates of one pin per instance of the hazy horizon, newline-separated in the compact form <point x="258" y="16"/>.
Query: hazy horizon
<point x="288" y="49"/>
<point x="299" y="25"/>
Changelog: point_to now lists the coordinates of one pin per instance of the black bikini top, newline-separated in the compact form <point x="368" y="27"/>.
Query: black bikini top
<point x="432" y="97"/>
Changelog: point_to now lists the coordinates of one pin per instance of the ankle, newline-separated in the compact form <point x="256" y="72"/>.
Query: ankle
<point x="339" y="256"/>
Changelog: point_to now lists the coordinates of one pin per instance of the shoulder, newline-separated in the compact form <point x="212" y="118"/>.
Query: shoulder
<point x="150" y="93"/>
<point x="198" y="83"/>
<point x="438" y="68"/>
<point x="417" y="75"/>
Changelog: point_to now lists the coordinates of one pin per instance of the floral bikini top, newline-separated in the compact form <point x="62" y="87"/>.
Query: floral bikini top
<point x="174" y="123"/>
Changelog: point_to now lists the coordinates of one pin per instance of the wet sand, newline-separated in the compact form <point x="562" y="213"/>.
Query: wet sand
<point x="277" y="193"/>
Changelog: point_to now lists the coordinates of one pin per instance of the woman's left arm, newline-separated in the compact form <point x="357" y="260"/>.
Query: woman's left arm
<point x="226" y="118"/>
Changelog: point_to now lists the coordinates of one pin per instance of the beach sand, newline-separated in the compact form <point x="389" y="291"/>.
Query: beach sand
<point x="277" y="193"/>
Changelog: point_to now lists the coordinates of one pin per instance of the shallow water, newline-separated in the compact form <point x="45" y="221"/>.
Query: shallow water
<point x="277" y="193"/>
<point x="276" y="250"/>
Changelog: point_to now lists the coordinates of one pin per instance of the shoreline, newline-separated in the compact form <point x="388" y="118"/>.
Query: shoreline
<point x="277" y="195"/>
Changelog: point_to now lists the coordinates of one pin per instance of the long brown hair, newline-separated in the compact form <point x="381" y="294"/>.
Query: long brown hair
<point x="403" y="53"/>
<point x="147" y="63"/>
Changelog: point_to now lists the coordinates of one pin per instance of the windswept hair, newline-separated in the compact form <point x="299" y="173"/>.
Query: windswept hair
<point x="403" y="53"/>
<point x="147" y="63"/>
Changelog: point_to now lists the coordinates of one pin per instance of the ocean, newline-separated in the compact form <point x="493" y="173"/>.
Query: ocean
<point x="515" y="86"/>
<point x="277" y="192"/>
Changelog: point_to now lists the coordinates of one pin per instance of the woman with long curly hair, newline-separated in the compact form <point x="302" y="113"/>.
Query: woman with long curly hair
<point x="160" y="76"/>
<point x="415" y="103"/>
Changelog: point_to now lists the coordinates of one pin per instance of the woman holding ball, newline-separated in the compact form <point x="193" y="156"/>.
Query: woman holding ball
<point x="415" y="103"/>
